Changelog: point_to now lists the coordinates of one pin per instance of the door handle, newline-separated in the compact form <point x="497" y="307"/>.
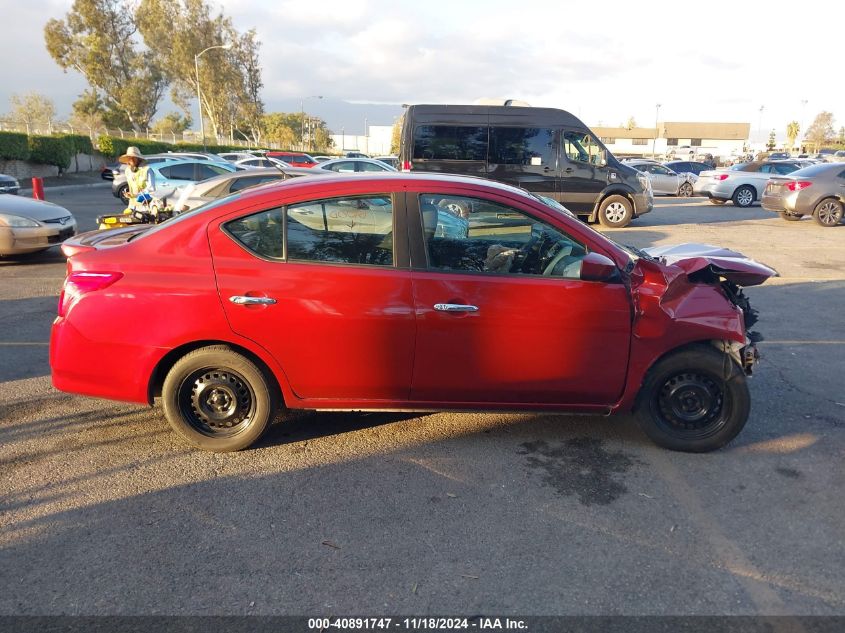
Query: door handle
<point x="568" y="170"/>
<point x="454" y="307"/>
<point x="251" y="301"/>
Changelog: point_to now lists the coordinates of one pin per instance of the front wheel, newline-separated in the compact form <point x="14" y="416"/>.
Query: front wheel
<point x="218" y="400"/>
<point x="828" y="212"/>
<point x="685" y="190"/>
<point x="694" y="401"/>
<point x="616" y="212"/>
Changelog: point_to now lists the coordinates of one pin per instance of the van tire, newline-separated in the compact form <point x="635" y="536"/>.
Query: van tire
<point x="616" y="212"/>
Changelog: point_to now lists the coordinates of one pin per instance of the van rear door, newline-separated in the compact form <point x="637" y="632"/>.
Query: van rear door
<point x="525" y="157"/>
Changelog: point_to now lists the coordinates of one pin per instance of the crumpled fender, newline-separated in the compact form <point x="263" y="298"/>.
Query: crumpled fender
<point x="733" y="266"/>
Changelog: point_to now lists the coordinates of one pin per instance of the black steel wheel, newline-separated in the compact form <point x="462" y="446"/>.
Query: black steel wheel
<point x="695" y="400"/>
<point x="218" y="399"/>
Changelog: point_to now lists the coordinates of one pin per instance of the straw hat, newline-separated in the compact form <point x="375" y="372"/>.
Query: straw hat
<point x="132" y="152"/>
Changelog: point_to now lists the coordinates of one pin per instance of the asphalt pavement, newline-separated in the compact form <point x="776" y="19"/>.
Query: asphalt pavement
<point x="104" y="511"/>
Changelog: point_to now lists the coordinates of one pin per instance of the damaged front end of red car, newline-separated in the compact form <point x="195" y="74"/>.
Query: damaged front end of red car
<point x="693" y="292"/>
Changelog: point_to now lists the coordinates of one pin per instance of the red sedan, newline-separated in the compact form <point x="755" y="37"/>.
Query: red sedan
<point x="374" y="293"/>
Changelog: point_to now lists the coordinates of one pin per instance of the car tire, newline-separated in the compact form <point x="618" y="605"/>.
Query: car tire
<point x="616" y="212"/>
<point x="744" y="196"/>
<point x="123" y="193"/>
<point x="695" y="400"/>
<point x="789" y="217"/>
<point x="828" y="212"/>
<point x="685" y="190"/>
<point x="717" y="201"/>
<point x="219" y="400"/>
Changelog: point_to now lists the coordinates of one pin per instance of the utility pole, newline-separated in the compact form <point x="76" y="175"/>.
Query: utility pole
<point x="656" y="131"/>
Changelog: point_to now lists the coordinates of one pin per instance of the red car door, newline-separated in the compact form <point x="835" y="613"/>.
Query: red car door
<point x="503" y="317"/>
<point x="331" y="306"/>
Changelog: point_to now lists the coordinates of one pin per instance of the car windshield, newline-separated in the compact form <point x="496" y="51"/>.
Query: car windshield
<point x="815" y="170"/>
<point x="739" y="166"/>
<point x="554" y="204"/>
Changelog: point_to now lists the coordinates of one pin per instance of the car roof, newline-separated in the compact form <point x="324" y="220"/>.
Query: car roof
<point x="399" y="177"/>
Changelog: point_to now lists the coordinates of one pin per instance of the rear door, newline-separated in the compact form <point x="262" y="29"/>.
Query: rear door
<point x="502" y="315"/>
<point x="323" y="285"/>
<point x="525" y="157"/>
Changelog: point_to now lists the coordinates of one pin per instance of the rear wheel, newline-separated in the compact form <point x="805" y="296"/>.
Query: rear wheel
<point x="218" y="400"/>
<point x="695" y="400"/>
<point x="789" y="217"/>
<point x="685" y="190"/>
<point x="828" y="212"/>
<point x="744" y="196"/>
<point x="616" y="212"/>
<point x="123" y="193"/>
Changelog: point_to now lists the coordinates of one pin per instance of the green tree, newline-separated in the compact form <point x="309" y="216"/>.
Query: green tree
<point x="770" y="145"/>
<point x="173" y="123"/>
<point x="820" y="131"/>
<point x="33" y="111"/>
<point x="279" y="128"/>
<point x="229" y="78"/>
<point x="841" y="138"/>
<point x="792" y="130"/>
<point x="396" y="135"/>
<point x="631" y="123"/>
<point x="98" y="39"/>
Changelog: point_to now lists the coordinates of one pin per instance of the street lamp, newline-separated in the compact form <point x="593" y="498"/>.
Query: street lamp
<point x="656" y="130"/>
<point x="302" y="117"/>
<point x="225" y="47"/>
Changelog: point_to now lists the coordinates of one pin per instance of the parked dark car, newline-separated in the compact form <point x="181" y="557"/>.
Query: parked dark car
<point x="8" y="184"/>
<point x="368" y="293"/>
<point x="546" y="151"/>
<point x="818" y="190"/>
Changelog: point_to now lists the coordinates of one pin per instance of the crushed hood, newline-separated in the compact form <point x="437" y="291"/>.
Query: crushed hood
<point x="733" y="266"/>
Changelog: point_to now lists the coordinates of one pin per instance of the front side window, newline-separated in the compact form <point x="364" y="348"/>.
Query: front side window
<point x="370" y="167"/>
<point x="344" y="167"/>
<point x="342" y="231"/>
<point x="450" y="142"/>
<point x="581" y="147"/>
<point x="471" y="235"/>
<point x="180" y="171"/>
<point x="522" y="146"/>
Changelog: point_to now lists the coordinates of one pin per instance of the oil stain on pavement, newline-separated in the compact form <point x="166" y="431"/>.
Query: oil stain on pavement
<point x="580" y="466"/>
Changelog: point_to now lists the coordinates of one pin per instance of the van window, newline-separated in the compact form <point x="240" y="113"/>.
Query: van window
<point x="450" y="142"/>
<point x="582" y="148"/>
<point x="522" y="146"/>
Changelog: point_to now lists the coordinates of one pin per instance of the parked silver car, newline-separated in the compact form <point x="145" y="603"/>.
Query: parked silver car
<point x="353" y="165"/>
<point x="743" y="183"/>
<point x="197" y="194"/>
<point x="818" y="190"/>
<point x="664" y="180"/>
<point x="29" y="226"/>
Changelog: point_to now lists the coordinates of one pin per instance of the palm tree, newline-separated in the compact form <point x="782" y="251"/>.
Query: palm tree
<point x="792" y="130"/>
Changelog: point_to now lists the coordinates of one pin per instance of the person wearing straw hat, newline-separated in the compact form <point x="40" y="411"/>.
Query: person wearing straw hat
<point x="139" y="178"/>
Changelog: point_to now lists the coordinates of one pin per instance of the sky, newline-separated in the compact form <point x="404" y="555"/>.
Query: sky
<point x="603" y="61"/>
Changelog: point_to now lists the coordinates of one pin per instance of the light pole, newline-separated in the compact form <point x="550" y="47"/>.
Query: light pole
<point x="801" y="130"/>
<point x="656" y="130"/>
<point x="302" y="117"/>
<point x="366" y="137"/>
<point x="225" y="47"/>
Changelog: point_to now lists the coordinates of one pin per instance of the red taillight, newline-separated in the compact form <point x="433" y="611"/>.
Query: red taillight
<point x="720" y="177"/>
<point x="798" y="185"/>
<point x="80" y="283"/>
<point x="406" y="165"/>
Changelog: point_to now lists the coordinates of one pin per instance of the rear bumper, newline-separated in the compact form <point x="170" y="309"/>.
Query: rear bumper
<point x="93" y="368"/>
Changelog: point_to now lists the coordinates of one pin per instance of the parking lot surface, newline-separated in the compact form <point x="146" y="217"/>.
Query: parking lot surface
<point x="104" y="511"/>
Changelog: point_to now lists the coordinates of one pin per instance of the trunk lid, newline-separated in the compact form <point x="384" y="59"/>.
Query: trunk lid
<point x="97" y="240"/>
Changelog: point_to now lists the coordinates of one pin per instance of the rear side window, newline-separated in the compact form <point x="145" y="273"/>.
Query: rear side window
<point x="261" y="233"/>
<point x="522" y="146"/>
<point x="181" y="171"/>
<point x="342" y="231"/>
<point x="251" y="181"/>
<point x="448" y="142"/>
<point x="210" y="171"/>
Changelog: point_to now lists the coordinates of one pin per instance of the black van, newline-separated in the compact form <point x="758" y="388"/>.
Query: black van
<point x="546" y="151"/>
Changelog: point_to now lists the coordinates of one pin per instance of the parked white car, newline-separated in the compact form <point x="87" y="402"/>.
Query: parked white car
<point x="353" y="165"/>
<point x="664" y="180"/>
<point x="257" y="162"/>
<point x="743" y="184"/>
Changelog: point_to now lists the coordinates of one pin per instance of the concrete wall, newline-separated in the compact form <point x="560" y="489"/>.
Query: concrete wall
<point x="22" y="169"/>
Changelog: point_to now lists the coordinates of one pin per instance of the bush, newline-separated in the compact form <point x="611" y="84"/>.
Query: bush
<point x="81" y="143"/>
<point x="13" y="146"/>
<point x="114" y="147"/>
<point x="51" y="150"/>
